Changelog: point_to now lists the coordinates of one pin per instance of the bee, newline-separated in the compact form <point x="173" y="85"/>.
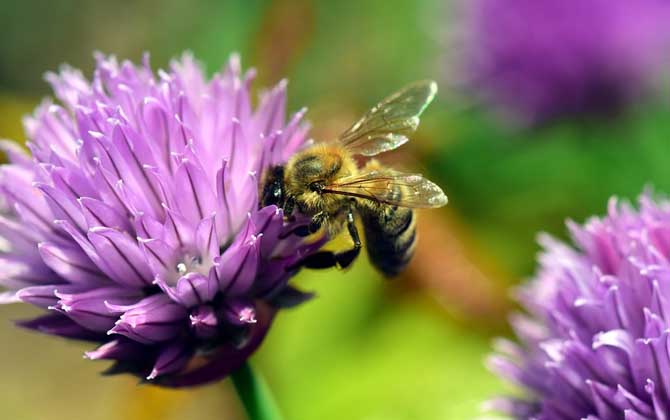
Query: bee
<point x="325" y="183"/>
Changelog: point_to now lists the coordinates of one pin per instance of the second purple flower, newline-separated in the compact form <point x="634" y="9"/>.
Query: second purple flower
<point x="542" y="59"/>
<point x="595" y="342"/>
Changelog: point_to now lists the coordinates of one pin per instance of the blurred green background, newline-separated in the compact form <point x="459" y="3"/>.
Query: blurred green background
<point x="366" y="348"/>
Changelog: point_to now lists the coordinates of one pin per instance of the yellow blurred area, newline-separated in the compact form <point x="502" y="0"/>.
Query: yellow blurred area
<point x="12" y="110"/>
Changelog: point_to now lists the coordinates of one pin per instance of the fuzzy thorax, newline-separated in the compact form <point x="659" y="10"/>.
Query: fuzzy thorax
<point x="312" y="170"/>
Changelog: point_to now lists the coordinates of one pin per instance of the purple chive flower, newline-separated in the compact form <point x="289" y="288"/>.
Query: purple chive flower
<point x="595" y="343"/>
<point x="136" y="221"/>
<point x="540" y="59"/>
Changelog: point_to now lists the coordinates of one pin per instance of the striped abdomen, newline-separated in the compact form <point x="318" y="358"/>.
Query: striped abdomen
<point x="390" y="234"/>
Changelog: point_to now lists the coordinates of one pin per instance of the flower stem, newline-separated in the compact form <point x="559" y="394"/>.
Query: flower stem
<point x="255" y="394"/>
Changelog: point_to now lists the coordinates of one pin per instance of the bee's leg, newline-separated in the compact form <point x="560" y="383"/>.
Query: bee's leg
<point x="321" y="259"/>
<point x="316" y="222"/>
<point x="327" y="259"/>
<point x="289" y="205"/>
<point x="306" y="230"/>
<point x="345" y="258"/>
<point x="302" y="231"/>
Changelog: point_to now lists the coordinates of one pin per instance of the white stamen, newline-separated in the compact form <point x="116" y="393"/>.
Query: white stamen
<point x="181" y="268"/>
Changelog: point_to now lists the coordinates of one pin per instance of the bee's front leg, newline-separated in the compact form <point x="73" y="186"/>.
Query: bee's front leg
<point x="289" y="205"/>
<point x="313" y="226"/>
<point x="306" y="230"/>
<point x="317" y="221"/>
<point x="327" y="259"/>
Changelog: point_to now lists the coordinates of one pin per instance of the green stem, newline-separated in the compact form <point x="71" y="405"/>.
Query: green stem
<point x="255" y="394"/>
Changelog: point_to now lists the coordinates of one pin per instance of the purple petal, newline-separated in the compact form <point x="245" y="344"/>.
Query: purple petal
<point x="293" y="138"/>
<point x="54" y="131"/>
<point x="15" y="153"/>
<point x="178" y="231"/>
<point x="71" y="264"/>
<point x="161" y="258"/>
<point x="207" y="240"/>
<point x="148" y="227"/>
<point x="44" y="296"/>
<point x="99" y="213"/>
<point x="74" y="182"/>
<point x="60" y="325"/>
<point x="604" y="398"/>
<point x="272" y="109"/>
<point x="17" y="274"/>
<point x="86" y="246"/>
<point x="191" y="290"/>
<point x="91" y="309"/>
<point x="204" y="321"/>
<point x="69" y="85"/>
<point x="130" y="157"/>
<point x="290" y="297"/>
<point x="227" y="358"/>
<point x="269" y="221"/>
<point x="119" y="349"/>
<point x="156" y="127"/>
<point x="64" y="206"/>
<point x="154" y="319"/>
<point x="236" y="196"/>
<point x="123" y="256"/>
<point x="237" y="268"/>
<point x="273" y="278"/>
<point x="239" y="311"/>
<point x="631" y="402"/>
<point x="196" y="198"/>
<point x="20" y="239"/>
<point x="29" y="202"/>
<point x="171" y="359"/>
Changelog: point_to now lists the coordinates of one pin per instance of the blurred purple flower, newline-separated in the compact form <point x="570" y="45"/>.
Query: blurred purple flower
<point x="540" y="59"/>
<point x="136" y="221"/>
<point x="596" y="343"/>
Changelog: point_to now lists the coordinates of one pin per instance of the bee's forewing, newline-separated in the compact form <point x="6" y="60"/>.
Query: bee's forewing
<point x="415" y="191"/>
<point x="386" y="125"/>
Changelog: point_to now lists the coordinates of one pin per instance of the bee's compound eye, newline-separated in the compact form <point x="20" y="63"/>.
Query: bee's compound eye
<point x="316" y="186"/>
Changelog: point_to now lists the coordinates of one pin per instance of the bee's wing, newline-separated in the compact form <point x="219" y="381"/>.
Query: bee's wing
<point x="383" y="187"/>
<point x="385" y="126"/>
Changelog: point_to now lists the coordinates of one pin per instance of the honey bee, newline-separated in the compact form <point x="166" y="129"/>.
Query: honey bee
<point x="324" y="183"/>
